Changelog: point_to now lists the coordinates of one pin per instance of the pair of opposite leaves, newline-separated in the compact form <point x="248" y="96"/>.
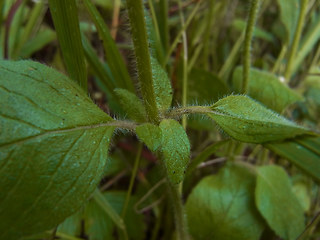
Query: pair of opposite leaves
<point x="54" y="144"/>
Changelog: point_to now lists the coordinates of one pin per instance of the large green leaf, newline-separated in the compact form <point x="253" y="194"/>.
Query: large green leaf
<point x="267" y="89"/>
<point x="222" y="206"/>
<point x="175" y="147"/>
<point x="246" y="120"/>
<point x="53" y="147"/>
<point x="277" y="203"/>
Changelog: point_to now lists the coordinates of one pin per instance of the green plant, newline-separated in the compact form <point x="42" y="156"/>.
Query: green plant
<point x="55" y="161"/>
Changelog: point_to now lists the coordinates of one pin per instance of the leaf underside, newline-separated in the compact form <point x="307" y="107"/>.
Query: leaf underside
<point x="53" y="148"/>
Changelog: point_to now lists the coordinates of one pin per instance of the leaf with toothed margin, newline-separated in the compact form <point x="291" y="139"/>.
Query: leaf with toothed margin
<point x="161" y="85"/>
<point x="248" y="121"/>
<point x="53" y="148"/>
<point x="175" y="147"/>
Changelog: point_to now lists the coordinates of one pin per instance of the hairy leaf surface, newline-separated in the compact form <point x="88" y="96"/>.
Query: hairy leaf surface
<point x="150" y="134"/>
<point x="222" y="207"/>
<point x="161" y="85"/>
<point x="175" y="148"/>
<point x="277" y="203"/>
<point x="53" y="147"/>
<point x="246" y="120"/>
<point x="131" y="104"/>
<point x="267" y="89"/>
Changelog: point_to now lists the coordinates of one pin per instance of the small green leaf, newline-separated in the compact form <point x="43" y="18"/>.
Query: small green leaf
<point x="53" y="144"/>
<point x="131" y="104"/>
<point x="222" y="207"/>
<point x="248" y="121"/>
<point x="161" y="85"/>
<point x="267" y="89"/>
<point x="277" y="203"/>
<point x="175" y="149"/>
<point x="150" y="134"/>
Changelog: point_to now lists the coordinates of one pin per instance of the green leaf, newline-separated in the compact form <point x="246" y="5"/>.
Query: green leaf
<point x="131" y="104"/>
<point x="161" y="85"/>
<point x="150" y="134"/>
<point x="277" y="203"/>
<point x="175" y="148"/>
<point x="53" y="143"/>
<point x="267" y="89"/>
<point x="199" y="80"/>
<point x="289" y="16"/>
<point x="222" y="206"/>
<point x="303" y="152"/>
<point x="248" y="121"/>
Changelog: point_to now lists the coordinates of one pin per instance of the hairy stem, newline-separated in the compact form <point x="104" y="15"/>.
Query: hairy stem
<point x="247" y="43"/>
<point x="185" y="65"/>
<point x="141" y="47"/>
<point x="179" y="212"/>
<point x="296" y="40"/>
<point x="178" y="112"/>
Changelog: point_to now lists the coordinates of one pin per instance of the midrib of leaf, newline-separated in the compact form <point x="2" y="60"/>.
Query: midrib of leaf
<point x="66" y="130"/>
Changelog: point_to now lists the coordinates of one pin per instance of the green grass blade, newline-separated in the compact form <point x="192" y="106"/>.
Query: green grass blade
<point x="308" y="43"/>
<point x="65" y="18"/>
<point x="1" y="12"/>
<point x="232" y="58"/>
<point x="303" y="152"/>
<point x="164" y="27"/>
<point x="107" y="208"/>
<point x="178" y="37"/>
<point x="33" y="19"/>
<point x="97" y="66"/>
<point x="113" y="56"/>
<point x="36" y="43"/>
